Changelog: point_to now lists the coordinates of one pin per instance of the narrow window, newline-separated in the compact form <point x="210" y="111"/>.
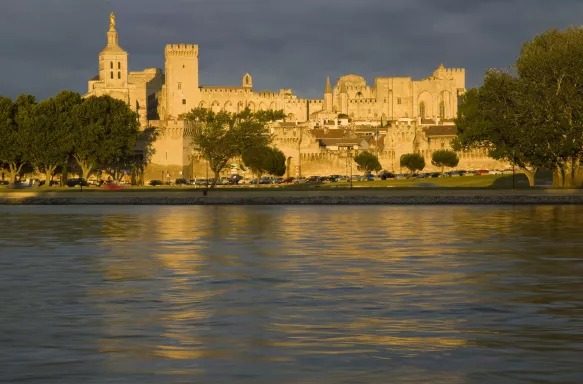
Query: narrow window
<point x="179" y="85"/>
<point x="111" y="74"/>
<point x="442" y="110"/>
<point x="118" y="65"/>
<point x="111" y="65"/>
<point x="119" y="75"/>
<point x="422" y="110"/>
<point x="183" y="101"/>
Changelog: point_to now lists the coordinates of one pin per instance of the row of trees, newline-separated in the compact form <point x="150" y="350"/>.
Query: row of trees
<point x="97" y="132"/>
<point x="414" y="162"/>
<point x="532" y="115"/>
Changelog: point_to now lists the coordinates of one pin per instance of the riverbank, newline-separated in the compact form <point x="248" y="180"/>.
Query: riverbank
<point x="295" y="197"/>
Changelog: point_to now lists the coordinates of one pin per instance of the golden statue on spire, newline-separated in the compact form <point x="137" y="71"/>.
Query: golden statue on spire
<point x="112" y="21"/>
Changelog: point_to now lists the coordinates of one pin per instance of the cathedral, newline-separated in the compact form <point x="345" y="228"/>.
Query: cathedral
<point x="396" y="115"/>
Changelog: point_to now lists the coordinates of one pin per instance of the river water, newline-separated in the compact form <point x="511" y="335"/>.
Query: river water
<point x="318" y="294"/>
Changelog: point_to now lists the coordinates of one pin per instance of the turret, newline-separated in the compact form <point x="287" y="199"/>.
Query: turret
<point x="327" y="96"/>
<point x="247" y="81"/>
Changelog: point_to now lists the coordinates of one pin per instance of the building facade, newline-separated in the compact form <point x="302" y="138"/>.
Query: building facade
<point x="397" y="115"/>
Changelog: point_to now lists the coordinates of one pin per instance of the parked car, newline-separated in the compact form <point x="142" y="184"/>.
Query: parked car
<point x="495" y="172"/>
<point x="435" y="174"/>
<point x="482" y="172"/>
<point x="386" y="175"/>
<point x="4" y="182"/>
<point x="469" y="173"/>
<point x="422" y="176"/>
<point x="41" y="183"/>
<point x="154" y="183"/>
<point x="180" y="182"/>
<point x="300" y="180"/>
<point x="77" y="182"/>
<point x="368" y="177"/>
<point x="201" y="182"/>
<point x="235" y="179"/>
<point x="288" y="180"/>
<point x="400" y="176"/>
<point x="447" y="174"/>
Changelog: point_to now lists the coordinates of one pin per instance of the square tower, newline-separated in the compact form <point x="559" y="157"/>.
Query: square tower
<point x="182" y="90"/>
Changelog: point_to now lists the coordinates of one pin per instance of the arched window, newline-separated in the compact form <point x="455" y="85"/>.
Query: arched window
<point x="442" y="110"/>
<point x="119" y="75"/>
<point x="422" y="110"/>
<point x="111" y="65"/>
<point x="118" y="65"/>
<point x="111" y="74"/>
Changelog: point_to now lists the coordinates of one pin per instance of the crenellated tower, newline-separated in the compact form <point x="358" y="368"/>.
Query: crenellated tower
<point x="182" y="91"/>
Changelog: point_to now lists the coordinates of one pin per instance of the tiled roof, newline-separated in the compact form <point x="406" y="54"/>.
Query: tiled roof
<point x="441" y="130"/>
<point x="331" y="134"/>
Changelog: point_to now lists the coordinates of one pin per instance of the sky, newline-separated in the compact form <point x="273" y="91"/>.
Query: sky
<point x="50" y="45"/>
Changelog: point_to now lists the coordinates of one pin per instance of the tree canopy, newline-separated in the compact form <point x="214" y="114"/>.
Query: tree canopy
<point x="262" y="160"/>
<point x="533" y="117"/>
<point x="220" y="137"/>
<point x="367" y="162"/>
<point x="106" y="130"/>
<point x="413" y="162"/>
<point x="444" y="158"/>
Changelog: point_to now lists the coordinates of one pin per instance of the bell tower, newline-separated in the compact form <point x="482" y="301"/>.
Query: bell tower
<point x="113" y="60"/>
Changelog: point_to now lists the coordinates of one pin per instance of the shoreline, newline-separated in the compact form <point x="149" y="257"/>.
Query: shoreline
<point x="346" y="197"/>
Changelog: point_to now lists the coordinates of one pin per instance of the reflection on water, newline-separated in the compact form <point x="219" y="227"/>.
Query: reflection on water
<point x="291" y="294"/>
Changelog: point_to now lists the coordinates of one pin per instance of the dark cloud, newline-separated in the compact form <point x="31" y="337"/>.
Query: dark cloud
<point x="49" y="45"/>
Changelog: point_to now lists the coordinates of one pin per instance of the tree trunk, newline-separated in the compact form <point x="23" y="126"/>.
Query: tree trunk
<point x="558" y="177"/>
<point x="568" y="168"/>
<point x="578" y="173"/>
<point x="49" y="174"/>
<point x="86" y="167"/>
<point x="530" y="175"/>
<point x="65" y="174"/>
<point x="217" y="175"/>
<point x="14" y="170"/>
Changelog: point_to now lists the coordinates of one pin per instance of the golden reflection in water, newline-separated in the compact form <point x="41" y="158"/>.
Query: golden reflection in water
<point x="401" y="269"/>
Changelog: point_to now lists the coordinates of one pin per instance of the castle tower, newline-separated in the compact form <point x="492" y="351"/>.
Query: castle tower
<point x="327" y="96"/>
<point x="247" y="81"/>
<point x="113" y="61"/>
<point x="182" y="91"/>
<point x="343" y="99"/>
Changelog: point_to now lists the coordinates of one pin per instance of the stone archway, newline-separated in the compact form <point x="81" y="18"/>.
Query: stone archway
<point x="288" y="167"/>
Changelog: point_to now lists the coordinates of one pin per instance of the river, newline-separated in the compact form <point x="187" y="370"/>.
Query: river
<point x="285" y="294"/>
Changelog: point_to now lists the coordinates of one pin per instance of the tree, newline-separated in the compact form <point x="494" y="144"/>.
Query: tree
<point x="262" y="160"/>
<point x="444" y="158"/>
<point x="13" y="144"/>
<point x="533" y="119"/>
<point x="49" y="128"/>
<point x="222" y="136"/>
<point x="367" y="162"/>
<point x="413" y="162"/>
<point x="106" y="131"/>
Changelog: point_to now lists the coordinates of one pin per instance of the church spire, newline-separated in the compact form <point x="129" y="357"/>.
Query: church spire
<point x="328" y="87"/>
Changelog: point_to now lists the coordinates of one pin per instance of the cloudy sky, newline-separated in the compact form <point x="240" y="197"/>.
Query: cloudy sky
<point x="50" y="45"/>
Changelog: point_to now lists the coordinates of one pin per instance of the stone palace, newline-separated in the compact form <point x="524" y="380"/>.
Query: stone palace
<point x="394" y="116"/>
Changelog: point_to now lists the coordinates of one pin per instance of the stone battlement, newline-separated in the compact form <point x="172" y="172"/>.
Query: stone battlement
<point x="188" y="50"/>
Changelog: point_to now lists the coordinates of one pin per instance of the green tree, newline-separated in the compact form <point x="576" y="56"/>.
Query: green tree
<point x="13" y="143"/>
<point x="533" y="119"/>
<point x="49" y="128"/>
<point x="367" y="162"/>
<point x="106" y="131"/>
<point x="413" y="162"/>
<point x="220" y="137"/>
<point x="444" y="158"/>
